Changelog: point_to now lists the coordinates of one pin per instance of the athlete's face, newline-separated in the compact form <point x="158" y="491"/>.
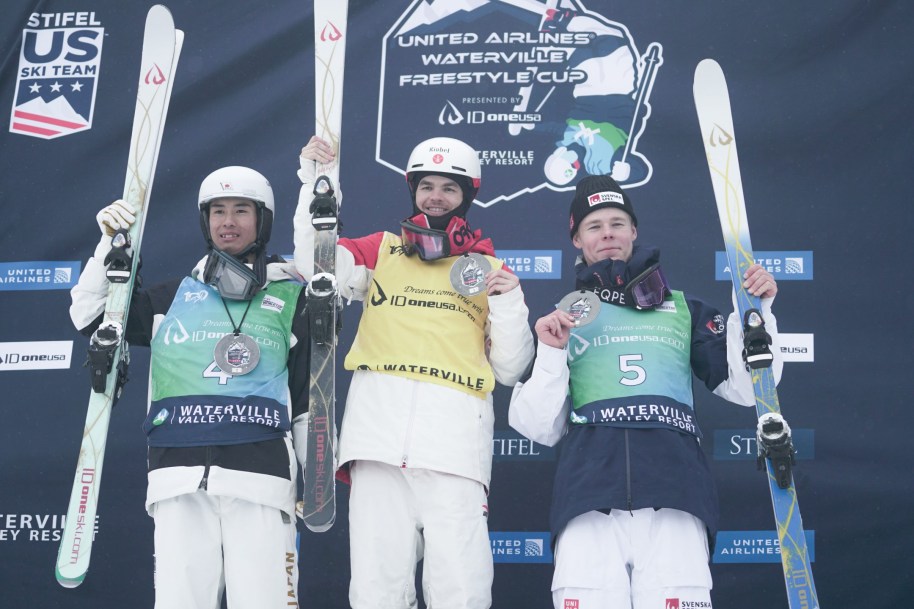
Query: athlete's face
<point x="438" y="195"/>
<point x="232" y="224"/>
<point x="604" y="234"/>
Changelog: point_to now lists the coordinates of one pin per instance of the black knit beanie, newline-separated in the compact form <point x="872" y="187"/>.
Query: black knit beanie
<point x="596" y="192"/>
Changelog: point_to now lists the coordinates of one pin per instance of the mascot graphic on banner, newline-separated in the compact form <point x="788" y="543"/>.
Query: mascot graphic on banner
<point x="546" y="91"/>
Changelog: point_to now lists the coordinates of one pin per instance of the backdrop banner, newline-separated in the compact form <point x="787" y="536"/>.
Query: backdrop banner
<point x="547" y="92"/>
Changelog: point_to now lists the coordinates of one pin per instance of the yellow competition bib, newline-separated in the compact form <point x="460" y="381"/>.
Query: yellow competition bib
<point x="416" y="326"/>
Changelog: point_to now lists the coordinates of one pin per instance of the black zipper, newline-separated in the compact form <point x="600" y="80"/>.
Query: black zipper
<point x="209" y="458"/>
<point x="628" y="473"/>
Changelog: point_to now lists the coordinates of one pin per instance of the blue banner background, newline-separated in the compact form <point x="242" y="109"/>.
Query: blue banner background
<point x="821" y="94"/>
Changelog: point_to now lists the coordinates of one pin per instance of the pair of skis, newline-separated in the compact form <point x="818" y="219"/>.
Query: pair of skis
<point x="108" y="353"/>
<point x="712" y="102"/>
<point x="318" y="509"/>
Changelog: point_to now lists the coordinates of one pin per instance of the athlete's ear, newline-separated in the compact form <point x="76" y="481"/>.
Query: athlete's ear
<point x="576" y="241"/>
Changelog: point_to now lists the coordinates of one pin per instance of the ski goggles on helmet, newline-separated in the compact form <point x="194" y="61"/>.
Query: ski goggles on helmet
<point x="429" y="243"/>
<point x="648" y="290"/>
<point x="233" y="278"/>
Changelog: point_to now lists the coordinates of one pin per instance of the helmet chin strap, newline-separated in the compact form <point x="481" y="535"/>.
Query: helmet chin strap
<point x="255" y="248"/>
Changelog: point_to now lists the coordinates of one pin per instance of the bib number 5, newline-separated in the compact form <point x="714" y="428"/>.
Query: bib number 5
<point x="628" y="369"/>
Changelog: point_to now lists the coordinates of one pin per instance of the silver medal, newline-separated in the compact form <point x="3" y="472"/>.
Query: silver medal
<point x="236" y="354"/>
<point x="582" y="305"/>
<point x="468" y="274"/>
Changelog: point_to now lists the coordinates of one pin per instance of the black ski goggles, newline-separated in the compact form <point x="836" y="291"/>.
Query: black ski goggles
<point x="231" y="277"/>
<point x="649" y="289"/>
<point x="429" y="243"/>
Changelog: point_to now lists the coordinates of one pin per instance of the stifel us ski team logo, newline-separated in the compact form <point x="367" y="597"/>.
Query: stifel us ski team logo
<point x="547" y="91"/>
<point x="57" y="76"/>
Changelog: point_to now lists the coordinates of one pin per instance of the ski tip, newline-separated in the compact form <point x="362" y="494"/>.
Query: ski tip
<point x="709" y="78"/>
<point x="179" y="44"/>
<point x="707" y="64"/>
<point x="160" y="13"/>
<point x="708" y="71"/>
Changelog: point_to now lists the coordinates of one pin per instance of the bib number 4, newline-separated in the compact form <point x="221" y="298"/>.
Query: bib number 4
<point x="215" y="372"/>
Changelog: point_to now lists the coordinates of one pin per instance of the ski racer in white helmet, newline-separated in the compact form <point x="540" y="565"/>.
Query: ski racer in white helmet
<point x="448" y="157"/>
<point x="229" y="372"/>
<point x="417" y="432"/>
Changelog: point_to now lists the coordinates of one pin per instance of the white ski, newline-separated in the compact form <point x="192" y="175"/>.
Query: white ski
<point x="161" y="48"/>
<point x="319" y="495"/>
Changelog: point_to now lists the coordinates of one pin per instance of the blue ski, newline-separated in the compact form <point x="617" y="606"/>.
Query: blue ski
<point x="712" y="102"/>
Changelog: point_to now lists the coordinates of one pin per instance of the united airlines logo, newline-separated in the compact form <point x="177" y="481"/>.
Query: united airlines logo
<point x="789" y="265"/>
<point x="546" y="93"/>
<point x="521" y="547"/>
<point x="38" y="275"/>
<point x="755" y="547"/>
<point x="58" y="75"/>
<point x="533" y="264"/>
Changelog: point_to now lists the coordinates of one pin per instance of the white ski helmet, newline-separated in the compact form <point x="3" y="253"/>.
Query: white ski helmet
<point x="242" y="183"/>
<point x="447" y="156"/>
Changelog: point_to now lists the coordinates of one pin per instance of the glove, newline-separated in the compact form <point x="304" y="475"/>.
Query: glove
<point x="116" y="216"/>
<point x="306" y="169"/>
<point x="316" y="151"/>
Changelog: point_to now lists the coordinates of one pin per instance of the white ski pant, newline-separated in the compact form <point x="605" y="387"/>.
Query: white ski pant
<point x="206" y="544"/>
<point x="398" y="516"/>
<point x="646" y="559"/>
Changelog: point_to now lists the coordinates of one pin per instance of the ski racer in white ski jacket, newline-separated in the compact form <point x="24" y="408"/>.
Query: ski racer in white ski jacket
<point x="415" y="422"/>
<point x="263" y="474"/>
<point x="228" y="387"/>
<point x="424" y="361"/>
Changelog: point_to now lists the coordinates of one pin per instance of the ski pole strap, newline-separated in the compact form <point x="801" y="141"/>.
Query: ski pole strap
<point x="120" y="259"/>
<point x="323" y="207"/>
<point x="756" y="341"/>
